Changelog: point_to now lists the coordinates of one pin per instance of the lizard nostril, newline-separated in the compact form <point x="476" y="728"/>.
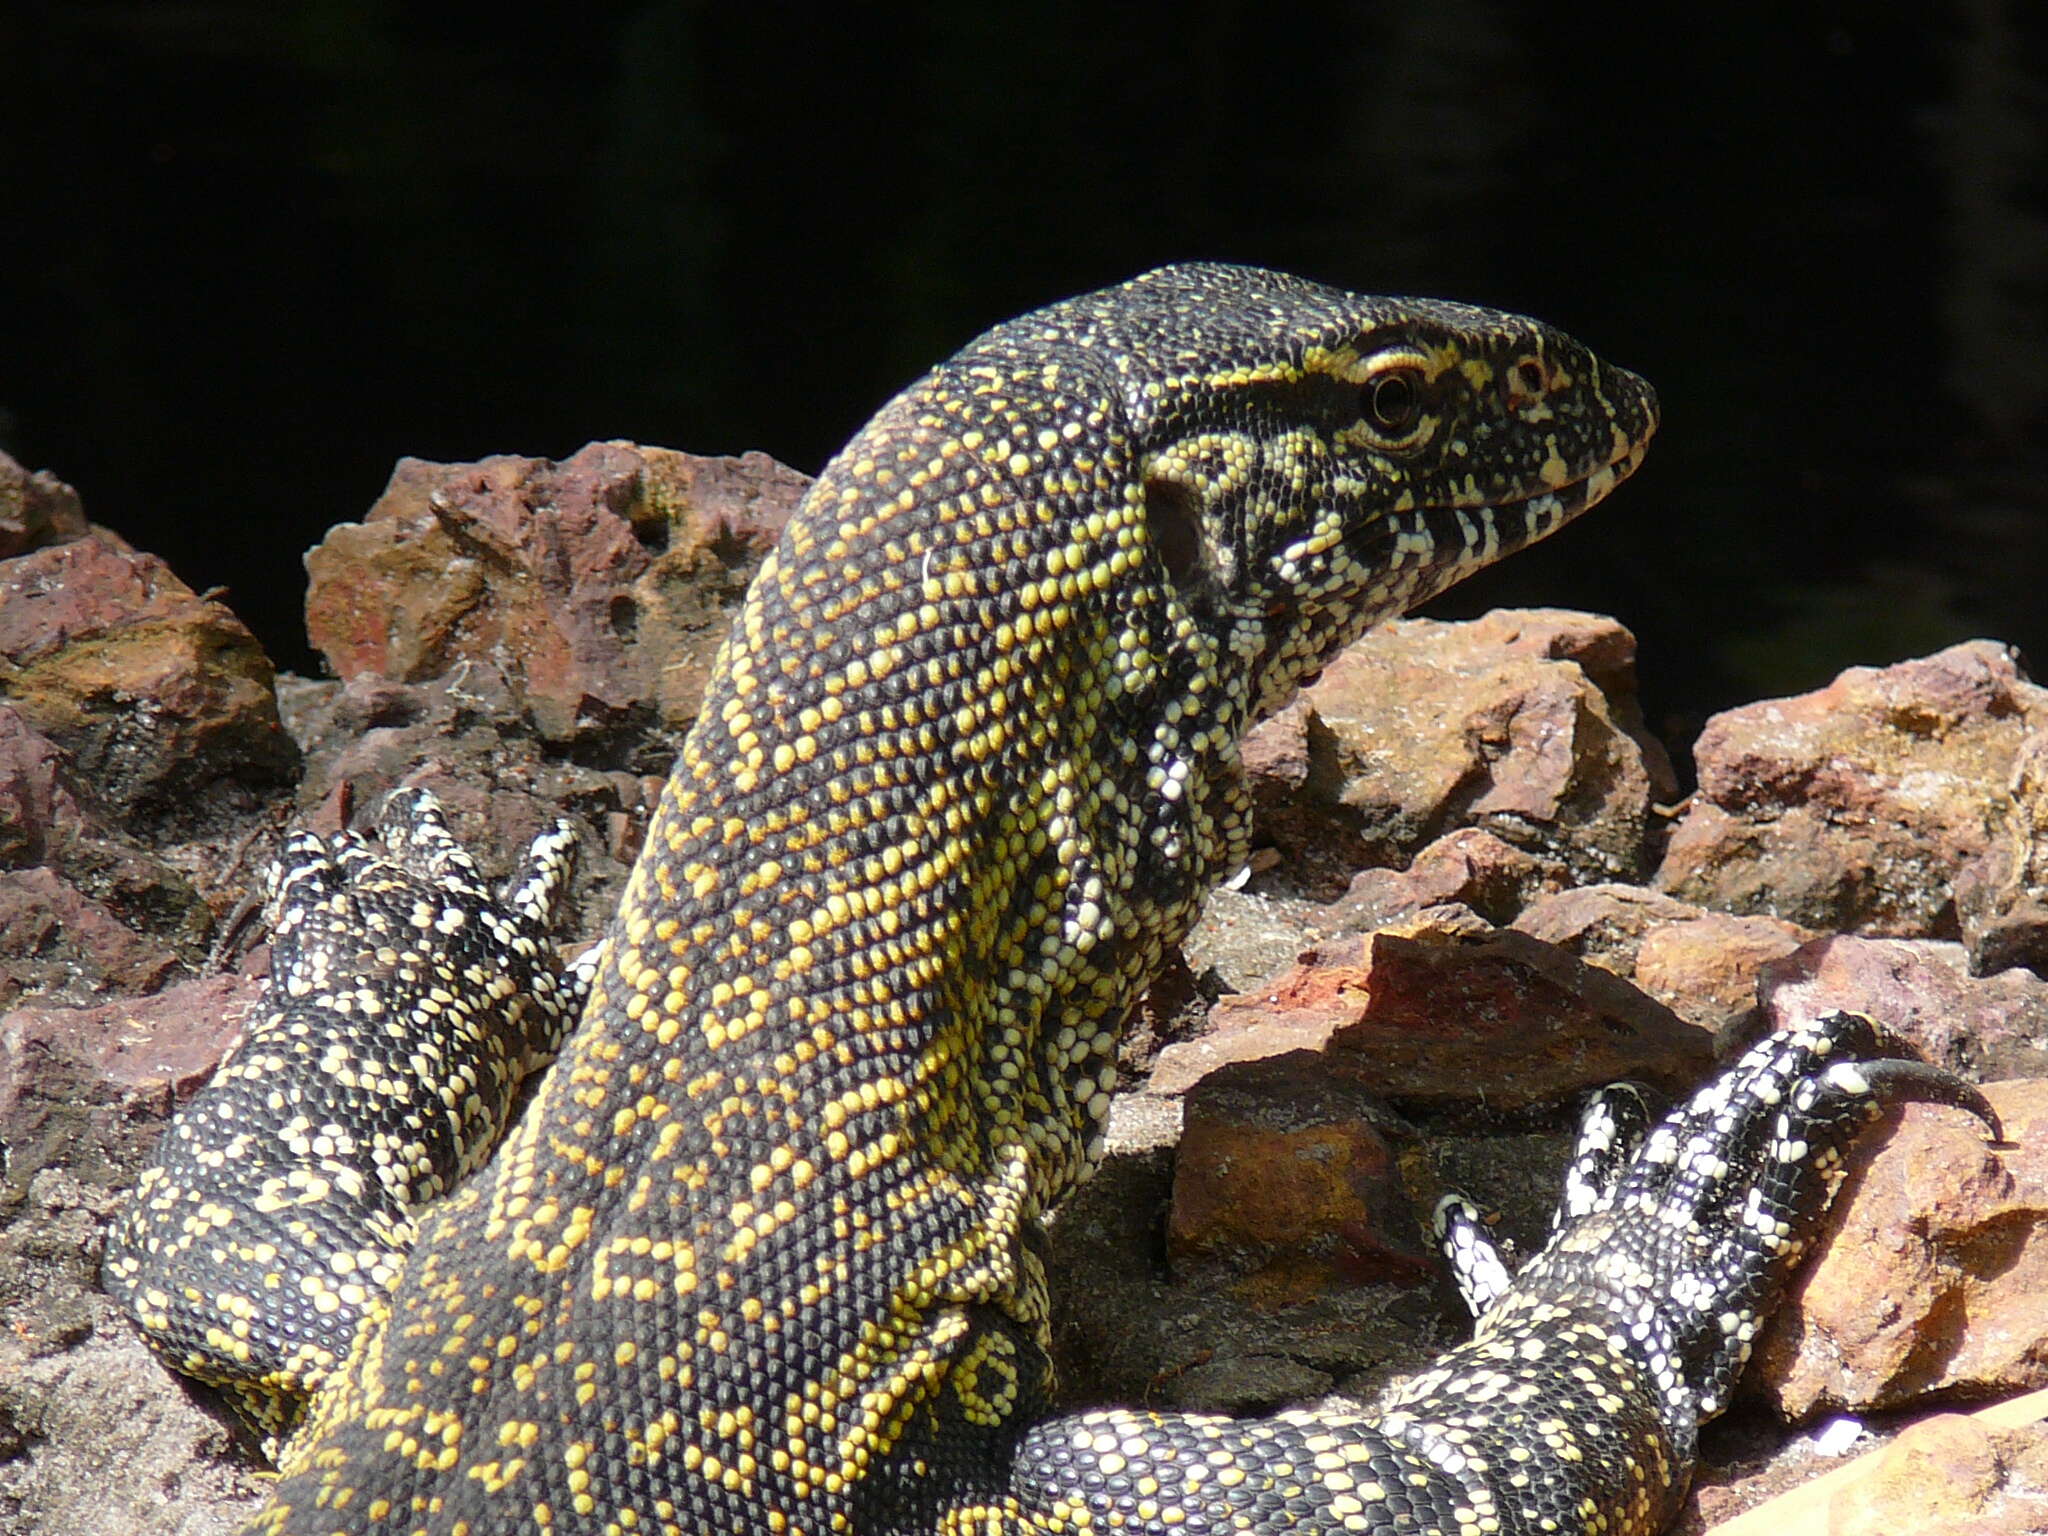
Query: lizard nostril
<point x="1527" y="381"/>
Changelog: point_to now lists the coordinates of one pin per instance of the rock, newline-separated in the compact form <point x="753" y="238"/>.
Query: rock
<point x="59" y="944"/>
<point x="157" y="697"/>
<point x="599" y="586"/>
<point x="1523" y="722"/>
<point x="1285" y="1174"/>
<point x="1831" y="1480"/>
<point x="1920" y="991"/>
<point x="85" y="909"/>
<point x="96" y="1438"/>
<point x="1933" y="1273"/>
<point x="1276" y="756"/>
<point x="2002" y="894"/>
<point x="1949" y="1476"/>
<point x="1244" y="936"/>
<point x="1451" y="1012"/>
<point x="463" y="738"/>
<point x="1292" y="1184"/>
<point x="1705" y="969"/>
<point x="1603" y="924"/>
<point x="1853" y="807"/>
<point x="37" y="805"/>
<point x="35" y="509"/>
<point x="1702" y="965"/>
<point x="89" y="1089"/>
<point x="1469" y="867"/>
<point x="1128" y="1329"/>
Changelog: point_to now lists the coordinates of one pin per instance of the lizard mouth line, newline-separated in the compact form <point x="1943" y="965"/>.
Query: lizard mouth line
<point x="1547" y="510"/>
<point x="1445" y="541"/>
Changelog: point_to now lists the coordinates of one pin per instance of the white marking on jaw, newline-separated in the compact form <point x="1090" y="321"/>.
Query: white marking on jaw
<point x="1414" y="542"/>
<point x="1538" y="514"/>
<point x="1490" y="547"/>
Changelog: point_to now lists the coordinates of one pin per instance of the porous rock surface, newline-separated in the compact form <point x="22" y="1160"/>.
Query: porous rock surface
<point x="1853" y="807"/>
<point x="597" y="587"/>
<point x="1950" y="1476"/>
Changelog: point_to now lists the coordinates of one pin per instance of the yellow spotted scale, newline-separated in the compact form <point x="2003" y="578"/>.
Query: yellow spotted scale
<point x="762" y="1257"/>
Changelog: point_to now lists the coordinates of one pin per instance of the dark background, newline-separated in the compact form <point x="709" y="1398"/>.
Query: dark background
<point x="251" y="254"/>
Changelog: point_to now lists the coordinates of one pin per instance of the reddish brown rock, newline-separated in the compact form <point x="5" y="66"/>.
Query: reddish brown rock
<point x="1950" y="1475"/>
<point x="34" y="800"/>
<point x="1703" y="965"/>
<point x="1933" y="1272"/>
<point x="467" y="741"/>
<point x="89" y="1088"/>
<point x="55" y="941"/>
<point x="86" y="911"/>
<point x="1284" y="1176"/>
<point x="1470" y="867"/>
<point x="35" y="509"/>
<point x="1953" y="1474"/>
<point x="152" y="693"/>
<point x="1276" y="756"/>
<point x="1603" y="925"/>
<point x="1921" y="991"/>
<point x="1523" y="722"/>
<point x="1450" y="1015"/>
<point x="2002" y="894"/>
<point x="139" y="743"/>
<point x="1129" y="1328"/>
<point x="1705" y="969"/>
<point x="1853" y="807"/>
<point x="609" y="576"/>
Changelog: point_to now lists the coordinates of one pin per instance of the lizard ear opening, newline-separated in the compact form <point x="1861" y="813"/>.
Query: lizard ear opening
<point x="1173" y="518"/>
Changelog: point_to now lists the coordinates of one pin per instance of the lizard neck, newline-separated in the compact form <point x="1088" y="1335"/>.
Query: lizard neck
<point x="941" y="815"/>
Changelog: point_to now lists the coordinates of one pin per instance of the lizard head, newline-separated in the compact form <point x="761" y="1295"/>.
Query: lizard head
<point x="1314" y="461"/>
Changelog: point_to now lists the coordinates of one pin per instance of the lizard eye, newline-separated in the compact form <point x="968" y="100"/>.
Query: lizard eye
<point x="1393" y="402"/>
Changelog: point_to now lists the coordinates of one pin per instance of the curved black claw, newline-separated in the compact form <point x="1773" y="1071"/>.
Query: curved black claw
<point x="1902" y="1080"/>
